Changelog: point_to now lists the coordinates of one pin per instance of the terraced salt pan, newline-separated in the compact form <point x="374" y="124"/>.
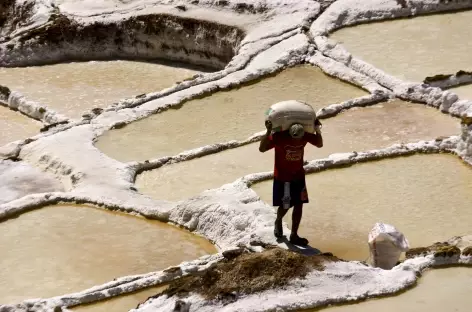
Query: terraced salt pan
<point x="437" y="290"/>
<point x="63" y="249"/>
<point x="415" y="48"/>
<point x="223" y="116"/>
<point x="464" y="92"/>
<point x="410" y="193"/>
<point x="15" y="126"/>
<point x="120" y="303"/>
<point x="358" y="129"/>
<point x="73" y="88"/>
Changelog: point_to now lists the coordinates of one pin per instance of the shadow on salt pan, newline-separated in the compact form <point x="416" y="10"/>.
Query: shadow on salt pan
<point x="18" y="179"/>
<point x="426" y="197"/>
<point x="120" y="303"/>
<point x="15" y="126"/>
<point x="222" y="116"/>
<point x="437" y="291"/>
<point x="62" y="249"/>
<point x="435" y="44"/>
<point x="73" y="88"/>
<point x="359" y="129"/>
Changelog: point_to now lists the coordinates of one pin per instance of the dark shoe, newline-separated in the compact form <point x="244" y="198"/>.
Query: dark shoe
<point x="297" y="240"/>
<point x="278" y="229"/>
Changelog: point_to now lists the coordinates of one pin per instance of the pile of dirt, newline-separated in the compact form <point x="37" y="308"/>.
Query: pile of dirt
<point x="249" y="273"/>
<point x="440" y="249"/>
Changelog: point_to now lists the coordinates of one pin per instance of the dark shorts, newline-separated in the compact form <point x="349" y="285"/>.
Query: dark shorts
<point x="298" y="192"/>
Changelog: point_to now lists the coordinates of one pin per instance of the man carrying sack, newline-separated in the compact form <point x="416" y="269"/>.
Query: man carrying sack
<point x="289" y="189"/>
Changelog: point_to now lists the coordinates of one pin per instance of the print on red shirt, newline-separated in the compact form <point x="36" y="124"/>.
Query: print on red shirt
<point x="293" y="153"/>
<point x="288" y="165"/>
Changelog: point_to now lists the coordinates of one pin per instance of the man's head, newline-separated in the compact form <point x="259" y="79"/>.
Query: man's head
<point x="296" y="131"/>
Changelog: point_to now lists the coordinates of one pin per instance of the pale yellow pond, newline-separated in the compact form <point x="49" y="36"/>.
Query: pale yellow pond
<point x="359" y="129"/>
<point x="222" y="116"/>
<point x="464" y="92"/>
<point x="62" y="249"/>
<point x="427" y="197"/>
<point x="16" y="126"/>
<point x="414" y="48"/>
<point x="74" y="88"/>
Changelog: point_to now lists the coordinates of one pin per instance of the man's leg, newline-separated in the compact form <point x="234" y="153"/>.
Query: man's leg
<point x="301" y="194"/>
<point x="296" y="218"/>
<point x="281" y="212"/>
<point x="278" y="194"/>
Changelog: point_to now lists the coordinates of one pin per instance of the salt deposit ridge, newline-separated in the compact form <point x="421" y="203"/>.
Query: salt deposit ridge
<point x="263" y="38"/>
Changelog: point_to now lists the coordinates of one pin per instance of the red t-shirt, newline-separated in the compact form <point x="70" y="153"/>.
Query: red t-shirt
<point x="289" y="152"/>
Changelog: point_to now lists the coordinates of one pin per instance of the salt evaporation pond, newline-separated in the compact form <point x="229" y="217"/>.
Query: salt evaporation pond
<point x="438" y="290"/>
<point x="427" y="197"/>
<point x="358" y="129"/>
<point x="222" y="116"/>
<point x="62" y="249"/>
<point x="120" y="303"/>
<point x="73" y="88"/>
<point x="15" y="126"/>
<point x="464" y="92"/>
<point x="435" y="45"/>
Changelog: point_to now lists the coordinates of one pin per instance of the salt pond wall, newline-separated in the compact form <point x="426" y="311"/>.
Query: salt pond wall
<point x="139" y="37"/>
<point x="465" y="145"/>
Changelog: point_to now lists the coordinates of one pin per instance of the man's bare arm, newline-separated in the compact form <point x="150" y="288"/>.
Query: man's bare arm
<point x="265" y="143"/>
<point x="316" y="138"/>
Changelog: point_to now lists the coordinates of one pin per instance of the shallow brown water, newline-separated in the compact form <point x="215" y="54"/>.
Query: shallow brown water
<point x="62" y="249"/>
<point x="464" y="92"/>
<point x="16" y="126"/>
<point x="357" y="129"/>
<point x="414" y="48"/>
<point x="223" y="116"/>
<point x="427" y="197"/>
<point x="73" y="88"/>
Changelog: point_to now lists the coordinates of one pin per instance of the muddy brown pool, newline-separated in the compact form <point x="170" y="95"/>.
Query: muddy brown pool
<point x="437" y="290"/>
<point x="222" y="116"/>
<point x="74" y="88"/>
<point x="427" y="197"/>
<point x="359" y="129"/>
<point x="435" y="44"/>
<point x="16" y="126"/>
<point x="62" y="249"/>
<point x="464" y="92"/>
